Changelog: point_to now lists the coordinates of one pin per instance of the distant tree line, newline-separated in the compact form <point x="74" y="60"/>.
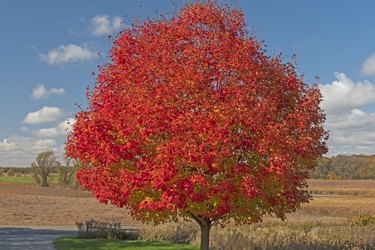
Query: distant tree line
<point x="14" y="171"/>
<point x="352" y="167"/>
<point x="341" y="167"/>
<point x="47" y="169"/>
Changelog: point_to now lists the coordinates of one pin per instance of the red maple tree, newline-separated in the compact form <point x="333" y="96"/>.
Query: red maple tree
<point x="192" y="119"/>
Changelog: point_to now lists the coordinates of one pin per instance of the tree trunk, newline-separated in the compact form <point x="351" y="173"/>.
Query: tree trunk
<point x="205" y="225"/>
<point x="205" y="233"/>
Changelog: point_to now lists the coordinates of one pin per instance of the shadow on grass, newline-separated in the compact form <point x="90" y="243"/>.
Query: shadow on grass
<point x="64" y="243"/>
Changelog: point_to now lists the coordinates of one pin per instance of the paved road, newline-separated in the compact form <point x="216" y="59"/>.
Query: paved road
<point x="32" y="238"/>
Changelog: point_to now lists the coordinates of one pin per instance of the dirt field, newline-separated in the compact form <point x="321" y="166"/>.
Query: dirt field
<point x="31" y="205"/>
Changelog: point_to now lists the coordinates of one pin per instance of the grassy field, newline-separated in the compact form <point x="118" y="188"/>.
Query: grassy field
<point x="17" y="179"/>
<point x="25" y="179"/>
<point x="71" y="243"/>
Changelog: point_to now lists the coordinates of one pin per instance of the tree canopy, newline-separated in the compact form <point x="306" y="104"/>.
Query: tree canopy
<point x="192" y="118"/>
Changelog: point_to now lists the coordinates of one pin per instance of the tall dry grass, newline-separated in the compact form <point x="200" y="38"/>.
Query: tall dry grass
<point x="343" y="187"/>
<point x="269" y="236"/>
<point x="325" y="223"/>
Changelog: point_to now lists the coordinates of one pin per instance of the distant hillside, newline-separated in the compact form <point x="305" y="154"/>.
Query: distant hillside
<point x="351" y="167"/>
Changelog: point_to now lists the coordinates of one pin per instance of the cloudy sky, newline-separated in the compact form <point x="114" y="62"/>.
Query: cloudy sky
<point x="49" y="48"/>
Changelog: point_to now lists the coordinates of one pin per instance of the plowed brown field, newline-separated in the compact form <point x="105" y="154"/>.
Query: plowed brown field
<point x="31" y="205"/>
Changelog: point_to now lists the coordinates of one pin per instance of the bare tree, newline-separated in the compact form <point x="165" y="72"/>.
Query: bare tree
<point x="66" y="172"/>
<point x="43" y="165"/>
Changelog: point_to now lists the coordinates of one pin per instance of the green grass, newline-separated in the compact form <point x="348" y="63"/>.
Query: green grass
<point x="72" y="243"/>
<point x="17" y="179"/>
<point x="26" y="179"/>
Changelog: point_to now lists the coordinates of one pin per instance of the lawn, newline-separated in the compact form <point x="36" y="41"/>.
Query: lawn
<point x="17" y="179"/>
<point x="25" y="179"/>
<point x="71" y="243"/>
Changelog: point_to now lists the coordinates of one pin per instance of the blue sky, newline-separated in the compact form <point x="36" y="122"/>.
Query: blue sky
<point x="49" y="48"/>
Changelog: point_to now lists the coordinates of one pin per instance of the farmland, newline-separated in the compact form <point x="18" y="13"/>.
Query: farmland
<point x="28" y="204"/>
<point x="327" y="217"/>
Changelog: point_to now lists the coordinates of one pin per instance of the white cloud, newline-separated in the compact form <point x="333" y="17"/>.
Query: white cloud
<point x="67" y="53"/>
<point x="355" y="120"/>
<point x="351" y="128"/>
<point x="102" y="25"/>
<point x="66" y="126"/>
<point x="24" y="129"/>
<point x="368" y="67"/>
<point x="17" y="151"/>
<point x="6" y="146"/>
<point x="62" y="129"/>
<point x="344" y="95"/>
<point x="45" y="143"/>
<point x="44" y="115"/>
<point x="40" y="92"/>
<point x="46" y="132"/>
<point x="351" y="132"/>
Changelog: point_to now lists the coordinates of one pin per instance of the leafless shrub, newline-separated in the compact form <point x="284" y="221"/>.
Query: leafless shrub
<point x="66" y="173"/>
<point x="93" y="229"/>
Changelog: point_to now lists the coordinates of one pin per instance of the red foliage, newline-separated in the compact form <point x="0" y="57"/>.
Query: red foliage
<point x="192" y="118"/>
